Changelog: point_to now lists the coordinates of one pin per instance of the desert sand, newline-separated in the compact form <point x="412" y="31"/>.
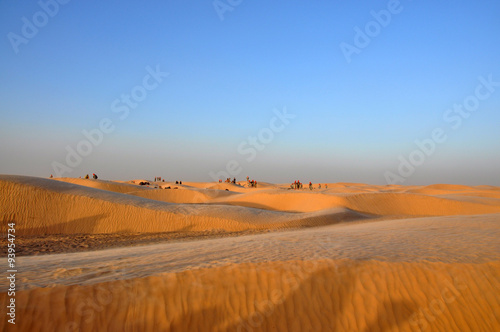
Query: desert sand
<point x="96" y="255"/>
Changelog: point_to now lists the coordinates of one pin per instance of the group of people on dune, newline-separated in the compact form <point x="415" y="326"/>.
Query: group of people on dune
<point x="228" y="180"/>
<point x="251" y="183"/>
<point x="94" y="176"/>
<point x="298" y="185"/>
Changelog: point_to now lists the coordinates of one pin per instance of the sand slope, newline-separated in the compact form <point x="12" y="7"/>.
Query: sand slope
<point x="433" y="239"/>
<point x="280" y="296"/>
<point x="402" y="204"/>
<point x="124" y="188"/>
<point x="43" y="206"/>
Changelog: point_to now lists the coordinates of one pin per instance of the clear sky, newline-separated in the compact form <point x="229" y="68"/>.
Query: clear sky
<point x="322" y="91"/>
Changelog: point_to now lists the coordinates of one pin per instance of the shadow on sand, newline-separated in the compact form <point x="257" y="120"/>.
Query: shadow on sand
<point x="321" y="299"/>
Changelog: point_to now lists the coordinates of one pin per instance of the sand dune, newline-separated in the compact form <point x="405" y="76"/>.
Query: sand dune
<point x="229" y="186"/>
<point x="353" y="257"/>
<point x="43" y="206"/>
<point x="181" y="195"/>
<point x="278" y="296"/>
<point x="433" y="239"/>
<point x="124" y="188"/>
<point x="403" y="204"/>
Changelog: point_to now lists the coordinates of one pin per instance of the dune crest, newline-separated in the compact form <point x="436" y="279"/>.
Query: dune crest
<point x="43" y="206"/>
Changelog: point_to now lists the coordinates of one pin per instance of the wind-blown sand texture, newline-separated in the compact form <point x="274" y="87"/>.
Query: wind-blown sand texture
<point x="352" y="257"/>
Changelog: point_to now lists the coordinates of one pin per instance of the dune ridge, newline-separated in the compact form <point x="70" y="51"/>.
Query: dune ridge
<point x="432" y="200"/>
<point x="406" y="204"/>
<point x="113" y="186"/>
<point x="43" y="206"/>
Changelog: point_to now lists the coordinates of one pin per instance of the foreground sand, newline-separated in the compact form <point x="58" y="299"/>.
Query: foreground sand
<point x="352" y="257"/>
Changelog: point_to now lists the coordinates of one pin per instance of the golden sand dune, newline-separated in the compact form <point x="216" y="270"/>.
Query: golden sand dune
<point x="450" y="187"/>
<point x="319" y="295"/>
<point x="124" y="188"/>
<point x="43" y="206"/>
<point x="437" y="201"/>
<point x="471" y="192"/>
<point x="433" y="239"/>
<point x="183" y="195"/>
<point x="419" y="258"/>
<point x="378" y="203"/>
<point x="229" y="186"/>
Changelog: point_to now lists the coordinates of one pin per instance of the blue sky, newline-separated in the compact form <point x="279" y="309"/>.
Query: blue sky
<point x="354" y="120"/>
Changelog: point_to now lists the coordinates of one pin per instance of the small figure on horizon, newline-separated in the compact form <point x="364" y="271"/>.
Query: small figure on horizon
<point x="326" y="186"/>
<point x="310" y="185"/>
<point x="319" y="186"/>
<point x="87" y="176"/>
<point x="51" y="176"/>
<point x="94" y="176"/>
